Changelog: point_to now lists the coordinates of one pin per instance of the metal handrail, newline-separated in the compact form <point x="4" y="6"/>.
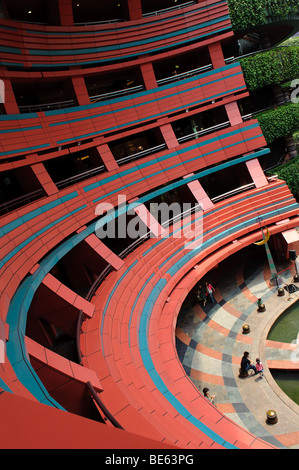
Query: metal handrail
<point x="80" y="176"/>
<point x="21" y="201"/>
<point x="115" y="94"/>
<point x="189" y="73"/>
<point x="165" y="10"/>
<point x="141" y="154"/>
<point x="90" y="23"/>
<point x="203" y="132"/>
<point x="102" y="407"/>
<point x="47" y="106"/>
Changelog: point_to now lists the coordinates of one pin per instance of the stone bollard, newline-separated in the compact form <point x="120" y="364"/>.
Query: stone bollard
<point x="271" y="417"/>
<point x="246" y="329"/>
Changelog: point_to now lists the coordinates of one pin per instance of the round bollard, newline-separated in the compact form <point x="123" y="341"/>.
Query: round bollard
<point x="271" y="417"/>
<point x="261" y="308"/>
<point x="280" y="292"/>
<point x="296" y="278"/>
<point x="246" y="329"/>
<point x="243" y="372"/>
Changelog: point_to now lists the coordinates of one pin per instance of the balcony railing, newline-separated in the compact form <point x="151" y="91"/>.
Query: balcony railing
<point x="21" y="201"/>
<point x="166" y="10"/>
<point x="180" y="76"/>
<point x="33" y="108"/>
<point x="196" y="135"/>
<point x="141" y="154"/>
<point x="117" y="93"/>
<point x="81" y="176"/>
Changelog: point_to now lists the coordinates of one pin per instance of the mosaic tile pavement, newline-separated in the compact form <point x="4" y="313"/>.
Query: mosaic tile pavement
<point x="210" y="343"/>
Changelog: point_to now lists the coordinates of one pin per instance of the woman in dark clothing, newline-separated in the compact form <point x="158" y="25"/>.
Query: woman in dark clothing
<point x="246" y="364"/>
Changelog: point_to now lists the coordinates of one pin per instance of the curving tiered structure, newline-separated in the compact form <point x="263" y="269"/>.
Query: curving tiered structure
<point x="145" y="108"/>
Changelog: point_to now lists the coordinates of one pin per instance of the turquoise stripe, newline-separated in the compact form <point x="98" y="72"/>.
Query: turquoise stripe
<point x="31" y="215"/>
<point x="172" y="185"/>
<point x="148" y="93"/>
<point x="117" y="47"/>
<point x="116" y="59"/>
<point x="22" y="129"/>
<point x="37" y="234"/>
<point x="27" y="149"/>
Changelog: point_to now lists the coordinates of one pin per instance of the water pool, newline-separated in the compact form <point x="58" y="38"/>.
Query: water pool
<point x="286" y="329"/>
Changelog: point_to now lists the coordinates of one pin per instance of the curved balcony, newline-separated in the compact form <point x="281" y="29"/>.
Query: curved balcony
<point x="35" y="47"/>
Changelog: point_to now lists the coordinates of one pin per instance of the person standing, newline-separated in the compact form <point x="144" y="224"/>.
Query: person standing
<point x="210" y="289"/>
<point x="201" y="295"/>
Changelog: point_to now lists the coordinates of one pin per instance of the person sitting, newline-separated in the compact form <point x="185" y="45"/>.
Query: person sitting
<point x="246" y="363"/>
<point x="206" y="394"/>
<point x="259" y="367"/>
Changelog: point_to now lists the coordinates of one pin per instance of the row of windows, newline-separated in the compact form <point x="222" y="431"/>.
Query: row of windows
<point x="83" y="11"/>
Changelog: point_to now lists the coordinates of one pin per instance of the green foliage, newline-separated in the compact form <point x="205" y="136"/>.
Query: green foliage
<point x="289" y="172"/>
<point x="279" y="122"/>
<point x="246" y="14"/>
<point x="271" y="67"/>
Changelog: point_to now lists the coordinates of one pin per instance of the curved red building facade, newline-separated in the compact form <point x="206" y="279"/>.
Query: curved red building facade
<point x="100" y="109"/>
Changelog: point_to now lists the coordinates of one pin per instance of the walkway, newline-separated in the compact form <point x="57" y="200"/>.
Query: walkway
<point x="210" y="343"/>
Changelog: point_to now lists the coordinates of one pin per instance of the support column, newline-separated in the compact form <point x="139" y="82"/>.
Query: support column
<point x="233" y="113"/>
<point x="257" y="173"/>
<point x="66" y="12"/>
<point x="44" y="178"/>
<point x="97" y="245"/>
<point x="107" y="157"/>
<point x="9" y="101"/>
<point x="200" y="194"/>
<point x="80" y="91"/>
<point x="147" y="218"/>
<point x="169" y="136"/>
<point x="216" y="55"/>
<point x="148" y="76"/>
<point x="135" y="9"/>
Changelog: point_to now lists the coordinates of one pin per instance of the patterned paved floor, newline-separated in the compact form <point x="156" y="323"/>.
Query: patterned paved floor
<point x="210" y="344"/>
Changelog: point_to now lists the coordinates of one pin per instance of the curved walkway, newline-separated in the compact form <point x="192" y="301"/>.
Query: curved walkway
<point x="210" y="344"/>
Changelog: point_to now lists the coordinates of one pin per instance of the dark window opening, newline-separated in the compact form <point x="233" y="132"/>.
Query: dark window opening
<point x="73" y="167"/>
<point x="33" y="11"/>
<point x="109" y="86"/>
<point x="43" y="95"/>
<point x="17" y="188"/>
<point x="226" y="180"/>
<point x="89" y="11"/>
<point x="138" y="146"/>
<point x="192" y="127"/>
<point x="151" y="6"/>
<point x="183" y="65"/>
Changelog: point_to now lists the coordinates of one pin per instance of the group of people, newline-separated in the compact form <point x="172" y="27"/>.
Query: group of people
<point x="247" y="364"/>
<point x="206" y="292"/>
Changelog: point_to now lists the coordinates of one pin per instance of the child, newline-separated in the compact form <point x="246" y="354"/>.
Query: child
<point x="209" y="397"/>
<point x="259" y="367"/>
